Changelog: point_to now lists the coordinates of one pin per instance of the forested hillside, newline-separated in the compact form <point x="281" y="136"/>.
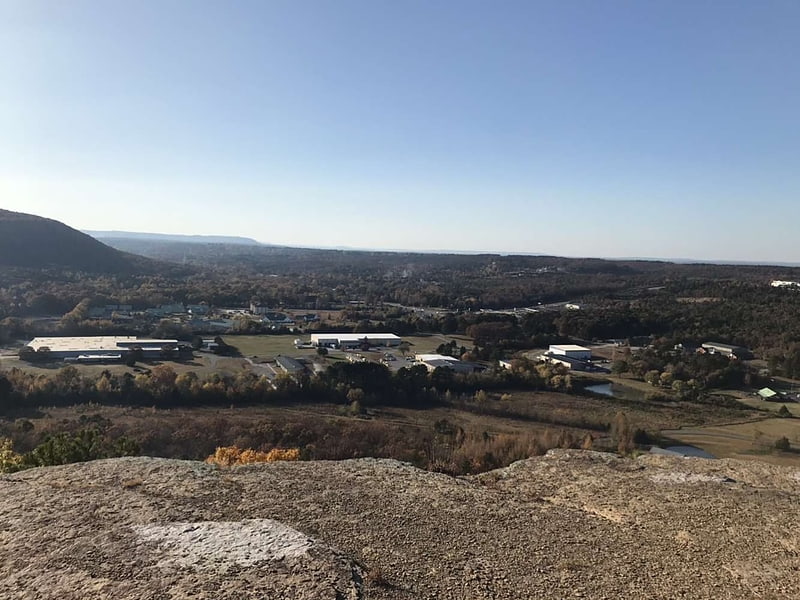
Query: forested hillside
<point x="28" y="241"/>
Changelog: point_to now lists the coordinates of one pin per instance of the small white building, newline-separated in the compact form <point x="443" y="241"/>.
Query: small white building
<point x="786" y="284"/>
<point x="570" y="351"/>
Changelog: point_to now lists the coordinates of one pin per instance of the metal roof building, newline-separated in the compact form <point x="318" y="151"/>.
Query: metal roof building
<point x="432" y="361"/>
<point x="570" y="350"/>
<point x="727" y="350"/>
<point x="107" y="346"/>
<point x="289" y="365"/>
<point x="354" y="340"/>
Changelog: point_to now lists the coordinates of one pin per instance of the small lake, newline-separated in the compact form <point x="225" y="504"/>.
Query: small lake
<point x="612" y="390"/>
<point x="604" y="389"/>
<point x="686" y="451"/>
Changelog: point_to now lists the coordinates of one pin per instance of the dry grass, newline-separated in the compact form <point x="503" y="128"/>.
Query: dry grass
<point x="758" y="403"/>
<point x="754" y="440"/>
<point x="267" y="346"/>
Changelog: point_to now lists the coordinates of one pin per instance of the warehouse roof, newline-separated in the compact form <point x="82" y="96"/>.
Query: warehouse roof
<point x="289" y="364"/>
<point x="569" y="348"/>
<point x="354" y="337"/>
<point x="93" y="343"/>
<point x="432" y="357"/>
<point x="722" y="346"/>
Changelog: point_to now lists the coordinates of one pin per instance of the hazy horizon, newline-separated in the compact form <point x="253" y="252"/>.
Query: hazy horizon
<point x="665" y="130"/>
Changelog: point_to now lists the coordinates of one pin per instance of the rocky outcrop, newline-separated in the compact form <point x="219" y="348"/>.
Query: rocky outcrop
<point x="566" y="525"/>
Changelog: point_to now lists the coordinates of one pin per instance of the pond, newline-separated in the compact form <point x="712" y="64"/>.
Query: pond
<point x="604" y="389"/>
<point x="685" y="451"/>
<point x="615" y="390"/>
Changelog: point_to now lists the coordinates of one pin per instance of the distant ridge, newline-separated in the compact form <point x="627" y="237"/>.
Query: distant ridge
<point x="170" y="237"/>
<point x="33" y="242"/>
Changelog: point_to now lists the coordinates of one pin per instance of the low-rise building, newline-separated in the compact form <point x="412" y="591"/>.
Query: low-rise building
<point x="166" y="310"/>
<point x="276" y="318"/>
<point x="289" y="365"/>
<point x="768" y="394"/>
<point x="573" y="364"/>
<point x="728" y="350"/>
<point x="434" y="361"/>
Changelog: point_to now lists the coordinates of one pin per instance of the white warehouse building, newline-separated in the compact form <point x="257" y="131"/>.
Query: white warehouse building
<point x="570" y="351"/>
<point x="354" y="340"/>
<point x="103" y="347"/>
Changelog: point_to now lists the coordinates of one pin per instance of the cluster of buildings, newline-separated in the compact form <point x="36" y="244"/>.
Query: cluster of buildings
<point x="200" y="317"/>
<point x="126" y="312"/>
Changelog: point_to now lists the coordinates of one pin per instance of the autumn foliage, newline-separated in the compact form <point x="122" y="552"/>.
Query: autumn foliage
<point x="228" y="456"/>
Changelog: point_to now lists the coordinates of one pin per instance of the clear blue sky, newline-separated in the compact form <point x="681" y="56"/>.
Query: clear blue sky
<point x="596" y="128"/>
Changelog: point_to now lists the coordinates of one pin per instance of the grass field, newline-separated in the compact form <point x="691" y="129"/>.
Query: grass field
<point x="266" y="346"/>
<point x="756" y="402"/>
<point x="753" y="440"/>
<point x="269" y="346"/>
<point x="202" y="364"/>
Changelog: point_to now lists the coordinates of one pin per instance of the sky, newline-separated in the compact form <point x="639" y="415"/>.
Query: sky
<point x="664" y="128"/>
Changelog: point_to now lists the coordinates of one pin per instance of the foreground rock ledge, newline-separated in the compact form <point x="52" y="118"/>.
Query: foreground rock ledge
<point x="566" y="525"/>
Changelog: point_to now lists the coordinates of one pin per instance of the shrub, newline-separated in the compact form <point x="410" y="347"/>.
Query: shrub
<point x="10" y="461"/>
<point x="81" y="446"/>
<point x="783" y="444"/>
<point x="228" y="456"/>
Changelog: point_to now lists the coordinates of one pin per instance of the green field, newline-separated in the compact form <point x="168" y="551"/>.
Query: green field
<point x="756" y="402"/>
<point x="266" y="346"/>
<point x="754" y="440"/>
<point x="269" y="346"/>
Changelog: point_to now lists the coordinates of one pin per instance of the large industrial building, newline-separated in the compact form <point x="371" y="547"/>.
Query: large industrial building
<point x="569" y="355"/>
<point x="571" y="351"/>
<point x="354" y="340"/>
<point x="99" y="348"/>
<point x="727" y="350"/>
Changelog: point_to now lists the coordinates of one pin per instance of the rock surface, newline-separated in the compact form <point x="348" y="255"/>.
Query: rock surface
<point x="567" y="525"/>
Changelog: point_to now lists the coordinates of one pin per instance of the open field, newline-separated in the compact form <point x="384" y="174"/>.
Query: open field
<point x="758" y="403"/>
<point x="201" y="363"/>
<point x="513" y="412"/>
<point x="269" y="346"/>
<point x="753" y="440"/>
